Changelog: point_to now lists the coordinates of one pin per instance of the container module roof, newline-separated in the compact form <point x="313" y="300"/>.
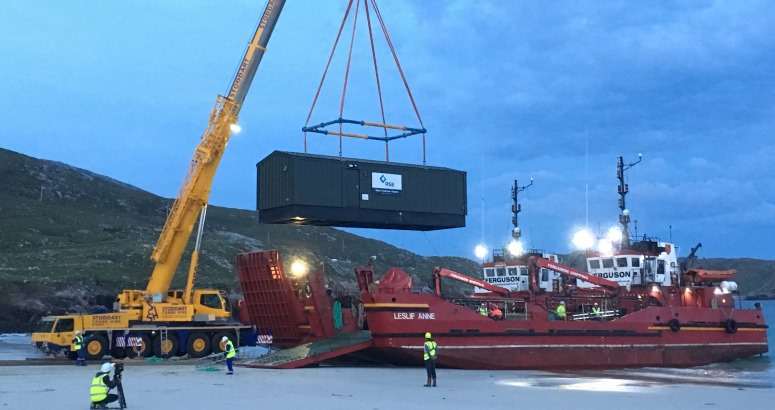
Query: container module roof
<point x="310" y="189"/>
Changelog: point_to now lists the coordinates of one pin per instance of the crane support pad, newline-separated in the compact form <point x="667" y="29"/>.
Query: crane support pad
<point x="306" y="189"/>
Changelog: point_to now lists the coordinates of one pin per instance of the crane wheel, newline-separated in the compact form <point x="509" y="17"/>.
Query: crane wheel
<point x="118" y="352"/>
<point x="96" y="347"/>
<point x="166" y="348"/>
<point x="198" y="345"/>
<point x="146" y="346"/>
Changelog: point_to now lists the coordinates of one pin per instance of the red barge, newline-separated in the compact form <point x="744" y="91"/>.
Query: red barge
<point x="653" y="325"/>
<point x="667" y="326"/>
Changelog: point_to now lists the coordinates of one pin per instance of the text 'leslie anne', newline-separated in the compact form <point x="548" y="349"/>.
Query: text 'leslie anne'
<point x="414" y="315"/>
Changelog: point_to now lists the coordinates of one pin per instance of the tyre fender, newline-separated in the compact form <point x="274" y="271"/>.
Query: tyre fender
<point x="730" y="325"/>
<point x="674" y="324"/>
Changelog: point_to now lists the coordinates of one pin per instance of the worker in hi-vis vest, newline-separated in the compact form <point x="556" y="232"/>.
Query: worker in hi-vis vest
<point x="483" y="309"/>
<point x="79" y="349"/>
<point x="561" y="311"/>
<point x="101" y="384"/>
<point x="229" y="352"/>
<point x="429" y="354"/>
<point x="596" y="315"/>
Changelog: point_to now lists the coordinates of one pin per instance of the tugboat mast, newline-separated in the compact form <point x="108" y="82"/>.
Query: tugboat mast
<point x="516" y="233"/>
<point x="624" y="216"/>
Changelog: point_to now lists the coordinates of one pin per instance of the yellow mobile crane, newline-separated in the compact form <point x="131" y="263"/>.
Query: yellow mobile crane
<point x="158" y="320"/>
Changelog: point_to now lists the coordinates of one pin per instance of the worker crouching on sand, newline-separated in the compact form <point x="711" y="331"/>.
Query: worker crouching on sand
<point x="229" y="351"/>
<point x="101" y="384"/>
<point x="430" y="353"/>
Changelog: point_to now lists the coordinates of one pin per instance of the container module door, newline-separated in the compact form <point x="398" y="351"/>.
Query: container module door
<point x="351" y="188"/>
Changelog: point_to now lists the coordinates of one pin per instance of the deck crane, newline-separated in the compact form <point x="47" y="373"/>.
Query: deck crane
<point x="439" y="272"/>
<point x="172" y="321"/>
<point x="689" y="260"/>
<point x="534" y="263"/>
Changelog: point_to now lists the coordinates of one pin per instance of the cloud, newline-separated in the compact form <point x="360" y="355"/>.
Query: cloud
<point x="507" y="90"/>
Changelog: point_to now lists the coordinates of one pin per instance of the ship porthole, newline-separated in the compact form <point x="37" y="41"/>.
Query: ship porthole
<point x="674" y="324"/>
<point x="730" y="325"/>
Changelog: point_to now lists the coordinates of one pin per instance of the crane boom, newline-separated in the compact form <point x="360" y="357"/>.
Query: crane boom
<point x="440" y="272"/>
<point x="194" y="193"/>
<point x="689" y="260"/>
<point x="255" y="52"/>
<point x="535" y="262"/>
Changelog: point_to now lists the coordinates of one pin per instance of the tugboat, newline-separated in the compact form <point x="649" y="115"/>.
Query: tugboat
<point x="634" y="308"/>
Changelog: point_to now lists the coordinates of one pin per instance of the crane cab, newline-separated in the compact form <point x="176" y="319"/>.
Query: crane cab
<point x="212" y="302"/>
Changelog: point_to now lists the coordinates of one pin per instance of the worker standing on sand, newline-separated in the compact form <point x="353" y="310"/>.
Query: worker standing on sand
<point x="101" y="384"/>
<point x="430" y="360"/>
<point x="229" y="351"/>
<point x="561" y="311"/>
<point x="79" y="349"/>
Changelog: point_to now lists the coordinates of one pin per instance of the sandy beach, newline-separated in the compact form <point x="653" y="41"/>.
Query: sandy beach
<point x="28" y="381"/>
<point x="171" y="386"/>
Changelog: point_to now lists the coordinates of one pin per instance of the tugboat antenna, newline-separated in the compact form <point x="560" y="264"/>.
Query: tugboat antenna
<point x="517" y="208"/>
<point x="624" y="216"/>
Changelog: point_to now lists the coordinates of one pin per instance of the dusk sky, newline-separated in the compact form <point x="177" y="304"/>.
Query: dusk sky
<point x="553" y="91"/>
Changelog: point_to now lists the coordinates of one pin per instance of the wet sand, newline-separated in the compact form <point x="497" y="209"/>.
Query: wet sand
<point x="165" y="385"/>
<point x="46" y="383"/>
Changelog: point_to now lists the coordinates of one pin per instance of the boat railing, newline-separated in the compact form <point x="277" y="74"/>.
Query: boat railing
<point x="607" y="315"/>
<point x="512" y="309"/>
<point x="502" y="255"/>
<point x="516" y="316"/>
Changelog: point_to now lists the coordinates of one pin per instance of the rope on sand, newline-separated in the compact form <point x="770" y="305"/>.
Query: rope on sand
<point x="209" y="362"/>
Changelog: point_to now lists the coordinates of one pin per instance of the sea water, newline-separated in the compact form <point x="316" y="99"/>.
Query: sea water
<point x="756" y="371"/>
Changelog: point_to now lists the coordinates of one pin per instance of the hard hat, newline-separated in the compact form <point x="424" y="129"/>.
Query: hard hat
<point x="427" y="335"/>
<point x="225" y="338"/>
<point x="595" y="303"/>
<point x="107" y="367"/>
<point x="78" y="332"/>
<point x="562" y="302"/>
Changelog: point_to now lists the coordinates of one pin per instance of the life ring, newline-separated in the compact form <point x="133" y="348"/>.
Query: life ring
<point x="674" y="324"/>
<point x="730" y="325"/>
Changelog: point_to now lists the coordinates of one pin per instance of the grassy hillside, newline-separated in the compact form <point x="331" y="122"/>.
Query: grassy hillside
<point x="72" y="239"/>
